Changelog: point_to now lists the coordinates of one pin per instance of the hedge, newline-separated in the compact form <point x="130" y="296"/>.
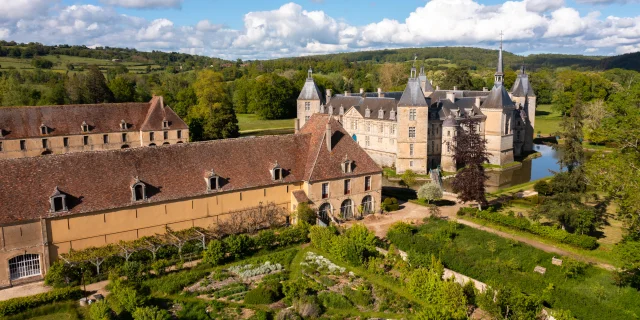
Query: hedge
<point x="576" y="240"/>
<point x="17" y="305"/>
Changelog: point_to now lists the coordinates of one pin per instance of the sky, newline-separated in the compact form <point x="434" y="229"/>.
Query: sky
<point x="266" y="29"/>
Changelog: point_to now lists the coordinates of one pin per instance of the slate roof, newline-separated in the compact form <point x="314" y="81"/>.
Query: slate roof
<point x="423" y="78"/>
<point x="522" y="86"/>
<point x="101" y="180"/>
<point x="498" y="98"/>
<point x="345" y="101"/>
<point x="25" y="122"/>
<point x="412" y="95"/>
<point x="310" y="91"/>
<point x="375" y="105"/>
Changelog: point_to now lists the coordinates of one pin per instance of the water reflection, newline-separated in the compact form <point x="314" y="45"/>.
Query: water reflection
<point x="530" y="170"/>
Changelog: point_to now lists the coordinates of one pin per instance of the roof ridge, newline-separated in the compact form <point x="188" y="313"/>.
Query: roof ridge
<point x="315" y="160"/>
<point x="73" y="105"/>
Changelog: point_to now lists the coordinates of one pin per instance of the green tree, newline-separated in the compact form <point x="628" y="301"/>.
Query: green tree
<point x="123" y="89"/>
<point x="150" y="313"/>
<point x="272" y="97"/>
<point x="100" y="311"/>
<point x="457" y="77"/>
<point x="241" y="94"/>
<point x="214" y="111"/>
<point x="408" y="178"/>
<point x="215" y="252"/>
<point x="41" y="63"/>
<point x="305" y="214"/>
<point x="430" y="192"/>
<point x="97" y="90"/>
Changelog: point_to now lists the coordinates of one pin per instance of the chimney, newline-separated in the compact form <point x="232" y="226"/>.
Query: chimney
<point x="478" y="102"/>
<point x="431" y="82"/>
<point x="451" y="96"/>
<point x="484" y="89"/>
<point x="380" y="95"/>
<point x="346" y="93"/>
<point x="455" y="88"/>
<point x="328" y="137"/>
<point x="297" y="126"/>
<point x="328" y="95"/>
<point x="437" y="88"/>
<point x="361" y="90"/>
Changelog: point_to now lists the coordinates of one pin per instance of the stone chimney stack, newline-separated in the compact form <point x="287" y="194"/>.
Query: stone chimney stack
<point x="451" y="96"/>
<point x="484" y="89"/>
<point x="346" y="93"/>
<point x="297" y="126"/>
<point x="437" y="88"/>
<point x="328" y="137"/>
<point x="478" y="102"/>
<point x="431" y="82"/>
<point x="361" y="90"/>
<point x="455" y="88"/>
<point x="380" y="93"/>
<point x="328" y="95"/>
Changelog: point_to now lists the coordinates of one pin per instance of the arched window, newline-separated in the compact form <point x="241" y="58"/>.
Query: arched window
<point x="276" y="172"/>
<point x="58" y="201"/>
<point x="124" y="146"/>
<point x="138" y="191"/>
<point x="44" y="129"/>
<point x="152" y="145"/>
<point x="341" y="109"/>
<point x="166" y="143"/>
<point x="26" y="265"/>
<point x="85" y="126"/>
<point x="324" y="211"/>
<point x="346" y="209"/>
<point x="123" y="125"/>
<point x="213" y="181"/>
<point x="367" y="205"/>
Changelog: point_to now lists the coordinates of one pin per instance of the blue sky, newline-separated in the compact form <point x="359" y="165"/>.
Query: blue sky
<point x="254" y="29"/>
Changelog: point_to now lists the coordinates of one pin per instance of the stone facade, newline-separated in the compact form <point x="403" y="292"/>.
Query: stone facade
<point x="414" y="129"/>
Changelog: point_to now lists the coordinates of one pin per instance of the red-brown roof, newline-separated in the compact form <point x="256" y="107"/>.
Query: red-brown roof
<point x="300" y="196"/>
<point x="96" y="181"/>
<point x="25" y="122"/>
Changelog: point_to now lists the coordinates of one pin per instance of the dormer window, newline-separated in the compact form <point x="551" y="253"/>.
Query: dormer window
<point x="276" y="172"/>
<point x="213" y="181"/>
<point x="138" y="190"/>
<point x="392" y="115"/>
<point x="341" y="110"/>
<point x="347" y="165"/>
<point x="322" y="108"/>
<point x="330" y="109"/>
<point x="85" y="127"/>
<point x="44" y="129"/>
<point x="58" y="201"/>
<point x="165" y="124"/>
<point x="380" y="114"/>
<point x="123" y="125"/>
<point x="367" y="113"/>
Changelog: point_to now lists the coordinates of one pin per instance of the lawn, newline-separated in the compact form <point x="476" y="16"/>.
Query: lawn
<point x="252" y="123"/>
<point x="547" y="120"/>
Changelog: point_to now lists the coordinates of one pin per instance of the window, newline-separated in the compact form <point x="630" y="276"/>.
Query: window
<point x="347" y="165"/>
<point x="412" y="114"/>
<point x="412" y="132"/>
<point x="380" y="114"/>
<point x="124" y="137"/>
<point x="306" y="118"/>
<point x="213" y="181"/>
<point x="393" y="129"/>
<point x="123" y="125"/>
<point x="367" y="113"/>
<point x="347" y="186"/>
<point x="152" y="136"/>
<point x="325" y="190"/>
<point x="0" y="146"/>
<point x="105" y="138"/>
<point x="43" y="129"/>
<point x="392" y="115"/>
<point x="45" y="143"/>
<point x="85" y="127"/>
<point x="346" y="209"/>
<point x="367" y="205"/>
<point x="392" y="141"/>
<point x="24" y="266"/>
<point x="517" y="135"/>
<point x="411" y="164"/>
<point x="367" y="183"/>
<point x="324" y="211"/>
<point x="341" y="110"/>
<point x="165" y="124"/>
<point x="448" y="133"/>
<point x="23" y="145"/>
<point x="85" y="140"/>
<point x="368" y="126"/>
<point x="58" y="201"/>
<point x="138" y="192"/>
<point x="366" y="141"/>
<point x="276" y="172"/>
<point x="65" y="142"/>
<point x="307" y="106"/>
<point x="381" y="128"/>
<point x="353" y="124"/>
<point x="379" y="139"/>
<point x="165" y="135"/>
<point x="411" y="149"/>
<point x="179" y="133"/>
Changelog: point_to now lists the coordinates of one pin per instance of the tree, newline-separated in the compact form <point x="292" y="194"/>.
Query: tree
<point x="241" y="94"/>
<point x="97" y="90"/>
<point x="392" y="76"/>
<point x="305" y="214"/>
<point x="150" y="313"/>
<point x="272" y="97"/>
<point x="470" y="150"/>
<point x="430" y="192"/>
<point x="628" y="252"/>
<point x="572" y="150"/>
<point x="457" y="77"/>
<point x="215" y="252"/>
<point x="214" y="111"/>
<point x="100" y="311"/>
<point x="408" y="178"/>
<point x="41" y="63"/>
<point x="542" y="187"/>
<point x="123" y="89"/>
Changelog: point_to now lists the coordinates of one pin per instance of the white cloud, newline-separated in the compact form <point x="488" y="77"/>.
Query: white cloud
<point x="144" y="4"/>
<point x="543" y="5"/>
<point x="23" y="9"/>
<point x="591" y="50"/>
<point x="565" y="22"/>
<point x="606" y="1"/>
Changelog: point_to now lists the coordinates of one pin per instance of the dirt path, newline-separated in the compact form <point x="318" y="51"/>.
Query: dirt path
<point x="413" y="213"/>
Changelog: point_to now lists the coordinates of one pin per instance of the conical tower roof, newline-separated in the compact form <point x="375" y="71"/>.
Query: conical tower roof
<point x="310" y="90"/>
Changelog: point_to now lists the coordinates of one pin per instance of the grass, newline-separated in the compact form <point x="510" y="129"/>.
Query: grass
<point x="391" y="173"/>
<point x="69" y="310"/>
<point x="516" y="188"/>
<point x="60" y="63"/>
<point x="591" y="295"/>
<point x="504" y="166"/>
<point x="251" y="122"/>
<point x="547" y="120"/>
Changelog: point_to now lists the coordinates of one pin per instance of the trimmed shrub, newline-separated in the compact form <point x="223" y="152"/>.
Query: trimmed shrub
<point x="215" y="253"/>
<point x="289" y="236"/>
<point x="150" y="313"/>
<point x="61" y="275"/>
<point x="264" y="294"/>
<point x="542" y="187"/>
<point x="266" y="239"/>
<point x="390" y="204"/>
<point x="17" y="305"/>
<point x="333" y="300"/>
<point x="576" y="240"/>
<point x="238" y="245"/>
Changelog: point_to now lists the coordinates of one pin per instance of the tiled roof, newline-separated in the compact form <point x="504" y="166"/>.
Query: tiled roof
<point x="301" y="196"/>
<point x="25" y="122"/>
<point x="94" y="181"/>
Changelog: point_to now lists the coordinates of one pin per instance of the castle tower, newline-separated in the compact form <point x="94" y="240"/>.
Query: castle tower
<point x="449" y="129"/>
<point x="525" y="99"/>
<point x="309" y="99"/>
<point x="499" y="109"/>
<point x="413" y="116"/>
<point x="425" y="83"/>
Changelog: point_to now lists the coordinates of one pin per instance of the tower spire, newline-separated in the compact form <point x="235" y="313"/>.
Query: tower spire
<point x="310" y="73"/>
<point x="499" y="73"/>
<point x="413" y="67"/>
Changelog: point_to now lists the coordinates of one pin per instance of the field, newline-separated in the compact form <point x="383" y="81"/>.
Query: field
<point x="251" y="125"/>
<point x="587" y="291"/>
<point x="547" y="120"/>
<point x="60" y="63"/>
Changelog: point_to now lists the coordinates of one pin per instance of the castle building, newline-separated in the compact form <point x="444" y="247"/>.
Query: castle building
<point x="40" y="130"/>
<point x="52" y="204"/>
<point x="415" y="129"/>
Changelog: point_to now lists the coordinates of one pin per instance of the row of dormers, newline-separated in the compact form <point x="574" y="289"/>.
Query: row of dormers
<point x="45" y="130"/>
<point x="58" y="200"/>
<point x="367" y="112"/>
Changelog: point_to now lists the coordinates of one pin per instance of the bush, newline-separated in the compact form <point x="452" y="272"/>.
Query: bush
<point x="390" y="204"/>
<point x="576" y="240"/>
<point x="100" y="311"/>
<point x="264" y="294"/>
<point x="175" y="282"/>
<point x="333" y="300"/>
<point x="159" y="266"/>
<point x="321" y="237"/>
<point x="542" y="187"/>
<point x="429" y="192"/>
<point x="238" y="245"/>
<point x="305" y="214"/>
<point x="293" y="235"/>
<point x="150" y="313"/>
<point x="61" y="275"/>
<point x="41" y="63"/>
<point x="215" y="253"/>
<point x="266" y="239"/>
<point x="17" y="305"/>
